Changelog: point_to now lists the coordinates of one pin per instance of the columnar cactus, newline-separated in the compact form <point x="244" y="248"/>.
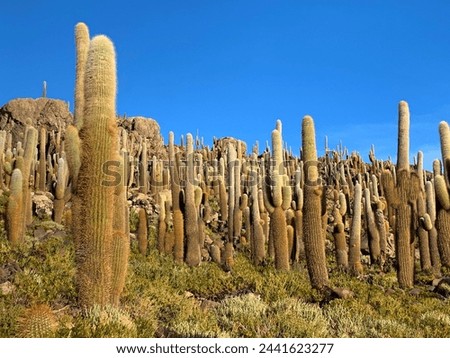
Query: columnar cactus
<point x="31" y="135"/>
<point x="14" y="210"/>
<point x="72" y="144"/>
<point x="374" y="235"/>
<point x="354" y="253"/>
<point x="231" y="161"/>
<point x="2" y="158"/>
<point x="223" y="196"/>
<point x="60" y="190"/>
<point x="178" y="221"/>
<point x="142" y="231"/>
<point x="432" y="234"/>
<point x="425" y="223"/>
<point x="442" y="197"/>
<point x="401" y="193"/>
<point x="193" y="254"/>
<point x="257" y="243"/>
<point x="121" y="236"/>
<point x="312" y="221"/>
<point x="277" y="201"/>
<point x="297" y="205"/>
<point x="95" y="192"/>
<point x="163" y="202"/>
<point x="42" y="159"/>
<point x="143" y="168"/>
<point x="339" y="210"/>
<point x="82" y="47"/>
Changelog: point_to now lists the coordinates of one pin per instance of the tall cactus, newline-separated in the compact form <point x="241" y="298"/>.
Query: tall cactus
<point x="354" y="253"/>
<point x="82" y="47"/>
<point x="432" y="234"/>
<point x="339" y="211"/>
<point x="121" y="237"/>
<point x="312" y="218"/>
<point x="42" y="159"/>
<point x="374" y="234"/>
<point x="60" y="190"/>
<point x="72" y="144"/>
<point x="31" y="136"/>
<point x="178" y="222"/>
<point x="277" y="201"/>
<point x="193" y="254"/>
<point x="257" y="242"/>
<point x="401" y="190"/>
<point x="443" y="198"/>
<point x="95" y="193"/>
<point x="142" y="231"/>
<point x="14" y="210"/>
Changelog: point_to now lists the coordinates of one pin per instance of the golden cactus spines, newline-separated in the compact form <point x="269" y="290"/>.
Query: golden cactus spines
<point x="95" y="193"/>
<point x="312" y="209"/>
<point x="82" y="47"/>
<point x="38" y="321"/>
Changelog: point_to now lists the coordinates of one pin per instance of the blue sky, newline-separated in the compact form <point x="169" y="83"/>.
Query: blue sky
<point x="232" y="68"/>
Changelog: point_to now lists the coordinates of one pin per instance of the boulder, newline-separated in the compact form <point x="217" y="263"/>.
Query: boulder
<point x="43" y="206"/>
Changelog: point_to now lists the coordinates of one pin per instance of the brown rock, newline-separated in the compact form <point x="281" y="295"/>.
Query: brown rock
<point x="146" y="128"/>
<point x="343" y="293"/>
<point x="39" y="233"/>
<point x="43" y="206"/>
<point x="53" y="114"/>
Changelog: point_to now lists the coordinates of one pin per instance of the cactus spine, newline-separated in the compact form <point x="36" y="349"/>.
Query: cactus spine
<point x="312" y="220"/>
<point x="38" y="321"/>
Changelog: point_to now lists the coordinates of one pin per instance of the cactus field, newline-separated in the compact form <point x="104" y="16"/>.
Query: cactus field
<point x="106" y="230"/>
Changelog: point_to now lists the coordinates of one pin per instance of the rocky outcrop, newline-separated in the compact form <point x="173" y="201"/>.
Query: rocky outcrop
<point x="148" y="129"/>
<point x="53" y="114"/>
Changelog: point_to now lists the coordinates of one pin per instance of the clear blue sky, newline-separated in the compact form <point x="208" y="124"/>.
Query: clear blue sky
<point x="233" y="67"/>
